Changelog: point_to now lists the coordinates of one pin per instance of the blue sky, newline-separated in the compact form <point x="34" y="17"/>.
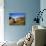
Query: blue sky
<point x="17" y="14"/>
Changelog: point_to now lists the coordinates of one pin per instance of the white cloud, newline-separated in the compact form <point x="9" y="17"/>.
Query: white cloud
<point x="15" y="17"/>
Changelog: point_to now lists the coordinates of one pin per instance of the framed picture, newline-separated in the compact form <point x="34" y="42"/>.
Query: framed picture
<point x="16" y="18"/>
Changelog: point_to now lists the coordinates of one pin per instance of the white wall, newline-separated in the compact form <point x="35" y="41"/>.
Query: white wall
<point x="43" y="6"/>
<point x="1" y="21"/>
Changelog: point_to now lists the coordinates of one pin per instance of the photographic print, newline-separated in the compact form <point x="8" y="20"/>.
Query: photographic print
<point x="17" y="19"/>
